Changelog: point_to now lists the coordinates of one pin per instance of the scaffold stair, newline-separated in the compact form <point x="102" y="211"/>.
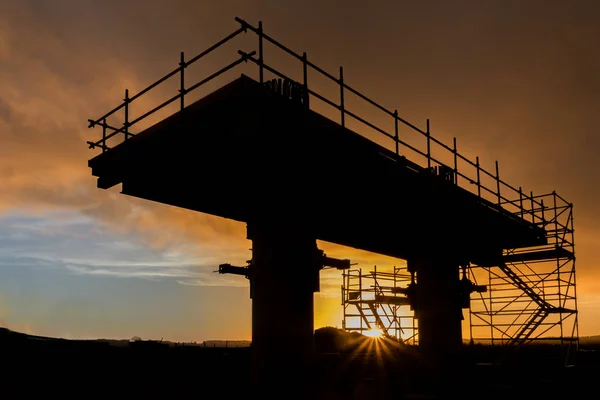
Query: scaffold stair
<point x="527" y="330"/>
<point x="538" y="317"/>
<point x="518" y="282"/>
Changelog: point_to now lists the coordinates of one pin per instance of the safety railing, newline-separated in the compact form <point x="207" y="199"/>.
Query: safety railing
<point x="109" y="131"/>
<point x="501" y="195"/>
<point x="558" y="214"/>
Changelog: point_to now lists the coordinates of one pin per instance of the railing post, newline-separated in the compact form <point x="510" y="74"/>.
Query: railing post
<point x="532" y="208"/>
<point x="360" y="294"/>
<point x="521" y="200"/>
<point x="455" y="163"/>
<point x="478" y="176"/>
<point x="260" y="52"/>
<point x="543" y="216"/>
<point x="556" y="243"/>
<point x="555" y="216"/>
<point x="498" y="183"/>
<point x="103" y="135"/>
<point x="342" y="96"/>
<point x="126" y="123"/>
<point x="428" y="146"/>
<point x="182" y="91"/>
<point x="491" y="302"/>
<point x="396" y="131"/>
<point x="305" y="76"/>
<point x="343" y="294"/>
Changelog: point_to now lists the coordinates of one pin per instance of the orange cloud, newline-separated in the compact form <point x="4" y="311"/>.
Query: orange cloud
<point x="49" y="90"/>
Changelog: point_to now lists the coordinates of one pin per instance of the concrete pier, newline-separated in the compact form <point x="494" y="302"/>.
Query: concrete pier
<point x="284" y="276"/>
<point x="439" y="315"/>
<point x="439" y="308"/>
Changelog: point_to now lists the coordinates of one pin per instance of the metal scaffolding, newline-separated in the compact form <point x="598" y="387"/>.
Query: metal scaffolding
<point x="379" y="301"/>
<point x="532" y="293"/>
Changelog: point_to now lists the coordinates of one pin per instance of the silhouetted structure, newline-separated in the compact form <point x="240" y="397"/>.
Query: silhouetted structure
<point x="528" y="297"/>
<point x="380" y="300"/>
<point x="532" y="294"/>
<point x="257" y="151"/>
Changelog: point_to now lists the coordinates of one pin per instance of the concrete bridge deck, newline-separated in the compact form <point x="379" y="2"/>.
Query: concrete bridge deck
<point x="247" y="153"/>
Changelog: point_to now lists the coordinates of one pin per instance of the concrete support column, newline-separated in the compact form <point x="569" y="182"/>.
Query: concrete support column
<point x="284" y="277"/>
<point x="439" y="313"/>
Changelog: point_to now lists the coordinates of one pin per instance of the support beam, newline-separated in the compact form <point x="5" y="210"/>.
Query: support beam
<point x="230" y="269"/>
<point x="285" y="274"/>
<point x="334" y="262"/>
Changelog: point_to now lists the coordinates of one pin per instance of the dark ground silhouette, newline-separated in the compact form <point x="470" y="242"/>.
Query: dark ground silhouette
<point x="345" y="364"/>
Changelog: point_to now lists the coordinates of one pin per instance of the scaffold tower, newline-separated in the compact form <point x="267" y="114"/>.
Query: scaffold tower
<point x="532" y="292"/>
<point x="379" y="301"/>
<point x="529" y="296"/>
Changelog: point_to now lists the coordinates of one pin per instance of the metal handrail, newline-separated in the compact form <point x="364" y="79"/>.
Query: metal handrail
<point x="525" y="206"/>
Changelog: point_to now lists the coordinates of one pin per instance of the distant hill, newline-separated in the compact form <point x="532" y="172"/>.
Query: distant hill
<point x="226" y="343"/>
<point x="589" y="340"/>
<point x="327" y="340"/>
<point x="328" y="337"/>
<point x="7" y="334"/>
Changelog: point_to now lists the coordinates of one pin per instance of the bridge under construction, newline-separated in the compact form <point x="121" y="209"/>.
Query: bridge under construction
<point x="268" y="149"/>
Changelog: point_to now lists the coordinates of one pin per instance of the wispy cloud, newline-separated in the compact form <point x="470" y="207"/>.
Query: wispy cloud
<point x="72" y="243"/>
<point x="140" y="271"/>
<point x="236" y="281"/>
<point x="52" y="82"/>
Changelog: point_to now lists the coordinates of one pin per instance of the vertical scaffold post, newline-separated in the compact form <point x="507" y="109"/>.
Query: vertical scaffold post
<point x="181" y="80"/>
<point x="396" y="131"/>
<point x="556" y="243"/>
<point x="478" y="176"/>
<point x="343" y="288"/>
<point x="428" y="145"/>
<point x="543" y="215"/>
<point x="532" y="207"/>
<point x="360" y="293"/>
<point x="498" y="184"/>
<point x="343" y="112"/>
<point x="103" y="135"/>
<point x="260" y="52"/>
<point x="555" y="218"/>
<point x="575" y="332"/>
<point x="521" y="200"/>
<point x="305" y="77"/>
<point x="470" y="273"/>
<point x="455" y="152"/>
<point x="126" y="123"/>
<point x="491" y="307"/>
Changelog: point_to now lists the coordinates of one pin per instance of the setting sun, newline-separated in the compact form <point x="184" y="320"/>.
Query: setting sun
<point x="373" y="333"/>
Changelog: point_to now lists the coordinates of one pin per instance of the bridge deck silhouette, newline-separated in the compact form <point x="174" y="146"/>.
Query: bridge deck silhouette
<point x="255" y="151"/>
<point x="247" y="153"/>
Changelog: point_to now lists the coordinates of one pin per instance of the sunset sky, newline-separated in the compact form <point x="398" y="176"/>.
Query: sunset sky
<point x="513" y="81"/>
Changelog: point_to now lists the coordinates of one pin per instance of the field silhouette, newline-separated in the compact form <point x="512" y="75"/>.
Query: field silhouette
<point x="345" y="366"/>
